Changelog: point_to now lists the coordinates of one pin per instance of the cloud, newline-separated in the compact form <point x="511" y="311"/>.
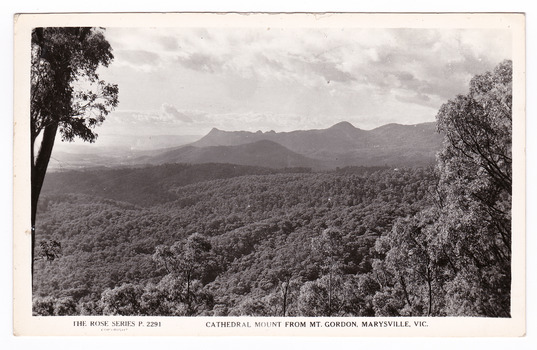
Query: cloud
<point x="330" y="72"/>
<point x="436" y="63"/>
<point x="296" y="77"/>
<point x="137" y="59"/>
<point x="169" y="43"/>
<point x="167" y="115"/>
<point x="138" y="56"/>
<point x="172" y="114"/>
<point x="417" y="98"/>
<point x="131" y="118"/>
<point x="266" y="55"/>
<point x="311" y="57"/>
<point x="201" y="62"/>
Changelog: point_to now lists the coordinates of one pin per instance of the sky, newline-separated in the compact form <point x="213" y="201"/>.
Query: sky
<point x="185" y="81"/>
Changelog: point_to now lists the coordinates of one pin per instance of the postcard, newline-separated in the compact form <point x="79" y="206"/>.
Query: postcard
<point x="308" y="174"/>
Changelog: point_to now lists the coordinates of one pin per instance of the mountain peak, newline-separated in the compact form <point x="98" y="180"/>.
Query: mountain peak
<point x="343" y="125"/>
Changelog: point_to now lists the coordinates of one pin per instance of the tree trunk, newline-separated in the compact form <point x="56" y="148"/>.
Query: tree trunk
<point x="189" y="310"/>
<point x="285" y="292"/>
<point x="285" y="300"/>
<point x="38" y="170"/>
<point x="407" y="297"/>
<point x="330" y="293"/>
<point x="429" y="277"/>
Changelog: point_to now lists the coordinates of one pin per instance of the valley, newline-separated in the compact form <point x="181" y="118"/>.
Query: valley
<point x="341" y="145"/>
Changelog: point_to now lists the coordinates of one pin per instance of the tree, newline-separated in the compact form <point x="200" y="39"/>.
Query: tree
<point x="454" y="258"/>
<point x="168" y="298"/>
<point x="124" y="300"/>
<point x="412" y="268"/>
<point x="475" y="166"/>
<point x="330" y="246"/>
<point x="281" y="302"/>
<point x="50" y="250"/>
<point x="49" y="306"/>
<point x="67" y="95"/>
<point x="188" y="264"/>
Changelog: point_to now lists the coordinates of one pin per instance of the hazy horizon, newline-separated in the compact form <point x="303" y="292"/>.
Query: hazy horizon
<point x="161" y="141"/>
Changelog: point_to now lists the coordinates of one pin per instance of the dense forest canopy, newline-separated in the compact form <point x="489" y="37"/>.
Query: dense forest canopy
<point x="260" y="230"/>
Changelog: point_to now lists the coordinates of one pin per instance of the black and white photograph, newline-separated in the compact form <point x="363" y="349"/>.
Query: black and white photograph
<point x="299" y="172"/>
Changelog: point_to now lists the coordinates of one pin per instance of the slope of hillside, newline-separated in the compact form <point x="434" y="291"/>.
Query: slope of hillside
<point x="142" y="186"/>
<point x="409" y="136"/>
<point x="260" y="153"/>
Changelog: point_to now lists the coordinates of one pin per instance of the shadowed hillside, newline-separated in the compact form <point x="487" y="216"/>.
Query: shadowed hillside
<point x="260" y="153"/>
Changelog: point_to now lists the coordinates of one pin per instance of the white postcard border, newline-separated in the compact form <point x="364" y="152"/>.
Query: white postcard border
<point x="26" y="324"/>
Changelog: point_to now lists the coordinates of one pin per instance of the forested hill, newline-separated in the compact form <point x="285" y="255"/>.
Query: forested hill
<point x="147" y="185"/>
<point x="260" y="226"/>
<point x="259" y="153"/>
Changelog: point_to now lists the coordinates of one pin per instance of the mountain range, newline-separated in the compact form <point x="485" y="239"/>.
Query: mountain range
<point x="340" y="138"/>
<point x="337" y="146"/>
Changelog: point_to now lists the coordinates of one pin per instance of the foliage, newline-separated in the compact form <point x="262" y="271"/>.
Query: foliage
<point x="251" y="240"/>
<point x="454" y="258"/>
<point x="411" y="269"/>
<point x="474" y="224"/>
<point x="49" y="306"/>
<point x="67" y="95"/>
<point x="66" y="90"/>
<point x="188" y="264"/>
<point x="49" y="249"/>
<point x="123" y="300"/>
